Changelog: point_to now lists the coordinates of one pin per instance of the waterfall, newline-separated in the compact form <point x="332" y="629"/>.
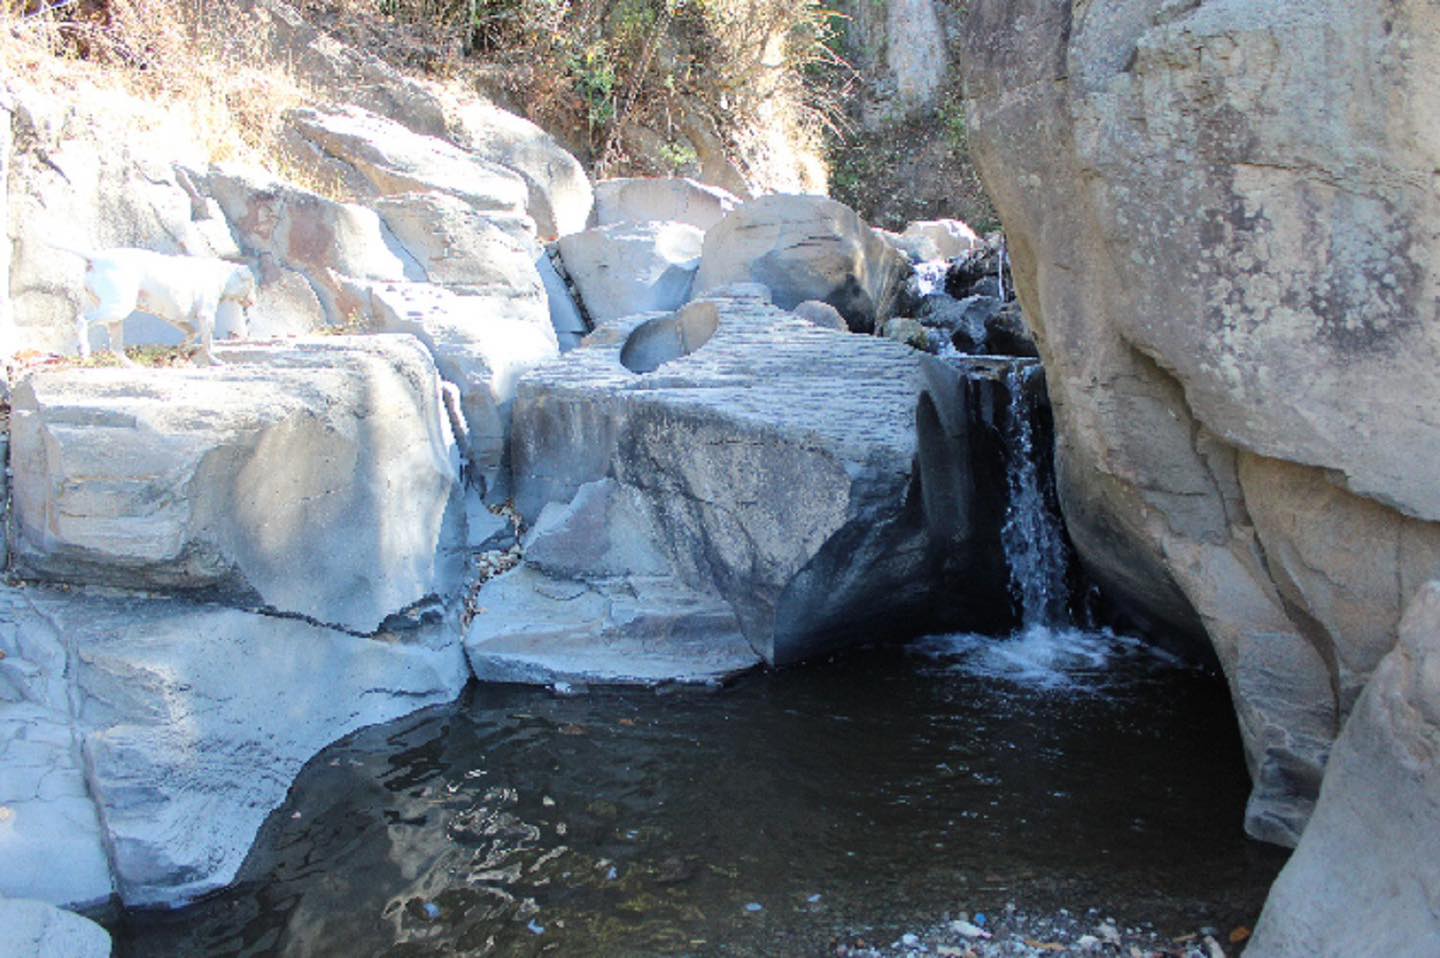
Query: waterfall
<point x="1032" y="537"/>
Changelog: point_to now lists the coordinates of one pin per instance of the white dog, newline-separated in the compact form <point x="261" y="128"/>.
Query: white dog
<point x="184" y="291"/>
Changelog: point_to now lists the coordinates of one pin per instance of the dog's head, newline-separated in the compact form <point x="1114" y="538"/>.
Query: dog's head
<point x="240" y="287"/>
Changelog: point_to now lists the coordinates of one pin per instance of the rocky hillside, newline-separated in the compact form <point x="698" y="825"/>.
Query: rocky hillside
<point x="1225" y="241"/>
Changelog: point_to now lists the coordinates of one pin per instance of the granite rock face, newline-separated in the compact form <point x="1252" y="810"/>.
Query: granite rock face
<point x="802" y="248"/>
<point x="319" y="479"/>
<point x="771" y="459"/>
<point x="1236" y="300"/>
<point x="1378" y="818"/>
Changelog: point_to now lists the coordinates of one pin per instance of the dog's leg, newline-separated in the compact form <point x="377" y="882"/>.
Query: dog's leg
<point x="82" y="334"/>
<point x="117" y="341"/>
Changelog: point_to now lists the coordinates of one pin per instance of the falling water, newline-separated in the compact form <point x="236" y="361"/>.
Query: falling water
<point x="1032" y="538"/>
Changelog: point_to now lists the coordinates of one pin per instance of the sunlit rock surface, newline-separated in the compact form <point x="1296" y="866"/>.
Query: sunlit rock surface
<point x="319" y="479"/>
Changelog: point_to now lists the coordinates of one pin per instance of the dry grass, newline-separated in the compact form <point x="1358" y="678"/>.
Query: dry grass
<point x="205" y="59"/>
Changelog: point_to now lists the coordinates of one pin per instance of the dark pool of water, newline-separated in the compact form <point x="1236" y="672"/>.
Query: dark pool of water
<point x="870" y="794"/>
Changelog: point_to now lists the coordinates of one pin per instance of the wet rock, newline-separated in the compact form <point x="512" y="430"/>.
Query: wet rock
<point x="1378" y="814"/>
<point x="318" y="478"/>
<point x="806" y="247"/>
<point x="630" y="268"/>
<point x="908" y="332"/>
<point x="773" y="461"/>
<point x="34" y="928"/>
<point x="1006" y="333"/>
<point x="977" y="267"/>
<point x="674" y="200"/>
<point x="965" y="320"/>
<point x="1204" y="372"/>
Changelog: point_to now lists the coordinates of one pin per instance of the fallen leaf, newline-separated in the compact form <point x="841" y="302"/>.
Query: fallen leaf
<point x="1045" y="945"/>
<point x="1239" y="934"/>
<point x="628" y="723"/>
<point x="572" y="729"/>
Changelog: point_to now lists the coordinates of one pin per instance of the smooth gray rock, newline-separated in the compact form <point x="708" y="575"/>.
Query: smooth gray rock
<point x="1377" y="821"/>
<point x="908" y="332"/>
<point x="393" y="159"/>
<point x="597" y="602"/>
<point x="560" y="195"/>
<point x="36" y="929"/>
<point x="773" y="461"/>
<point x="1235" y="299"/>
<point x="196" y="720"/>
<point x="460" y="246"/>
<point x="318" y="478"/>
<point x="481" y="344"/>
<point x="630" y="268"/>
<point x="570" y="326"/>
<point x="677" y="200"/>
<point x="805" y="247"/>
<point x="51" y="842"/>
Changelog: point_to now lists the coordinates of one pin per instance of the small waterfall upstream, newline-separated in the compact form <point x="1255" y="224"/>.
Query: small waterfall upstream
<point x="1032" y="535"/>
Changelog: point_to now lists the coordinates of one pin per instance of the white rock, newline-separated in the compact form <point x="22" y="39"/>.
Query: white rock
<point x="675" y="200"/>
<point x="630" y="268"/>
<point x="319" y="478"/>
<point x="481" y="344"/>
<point x="805" y="247"/>
<point x="35" y="929"/>
<point x="393" y="159"/>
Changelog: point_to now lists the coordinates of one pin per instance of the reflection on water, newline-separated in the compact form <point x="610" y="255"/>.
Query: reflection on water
<point x="868" y="795"/>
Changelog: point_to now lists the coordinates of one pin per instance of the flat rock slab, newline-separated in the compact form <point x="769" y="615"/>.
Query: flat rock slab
<point x="771" y="458"/>
<point x="35" y="928"/>
<point x="317" y="478"/>
<point x="196" y="719"/>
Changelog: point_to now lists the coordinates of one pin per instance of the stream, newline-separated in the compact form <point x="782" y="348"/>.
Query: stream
<point x="883" y="789"/>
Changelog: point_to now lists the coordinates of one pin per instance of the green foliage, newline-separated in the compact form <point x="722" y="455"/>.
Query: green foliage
<point x="678" y="156"/>
<point x="593" y="71"/>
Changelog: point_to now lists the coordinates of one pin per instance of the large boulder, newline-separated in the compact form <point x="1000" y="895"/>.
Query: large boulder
<point x="192" y="722"/>
<point x="1236" y="302"/>
<point x="319" y="479"/>
<point x="1378" y="818"/>
<point x="772" y="459"/>
<point x="630" y="268"/>
<point x="805" y="247"/>
<point x="392" y="159"/>
<point x="678" y="200"/>
<point x="561" y="197"/>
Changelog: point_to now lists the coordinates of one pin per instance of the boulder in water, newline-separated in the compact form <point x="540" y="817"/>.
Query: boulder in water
<point x="772" y="463"/>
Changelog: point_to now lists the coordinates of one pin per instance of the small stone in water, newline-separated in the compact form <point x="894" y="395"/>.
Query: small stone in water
<point x="813" y="898"/>
<point x="295" y="816"/>
<point x="968" y="930"/>
<point x="432" y="910"/>
<point x="909" y="939"/>
<point x="754" y="906"/>
<point x="980" y="919"/>
<point x="547" y="801"/>
<point x="1088" y="942"/>
<point x="535" y="927"/>
<point x="613" y="873"/>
